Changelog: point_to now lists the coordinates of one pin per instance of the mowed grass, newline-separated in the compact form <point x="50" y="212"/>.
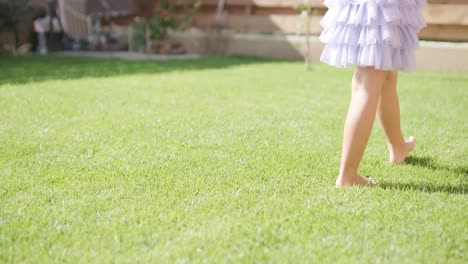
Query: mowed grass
<point x="220" y="160"/>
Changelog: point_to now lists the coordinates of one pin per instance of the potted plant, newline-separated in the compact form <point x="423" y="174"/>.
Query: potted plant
<point x="162" y="20"/>
<point x="151" y="32"/>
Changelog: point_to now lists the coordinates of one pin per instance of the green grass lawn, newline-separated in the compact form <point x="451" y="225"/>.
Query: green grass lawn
<point x="218" y="160"/>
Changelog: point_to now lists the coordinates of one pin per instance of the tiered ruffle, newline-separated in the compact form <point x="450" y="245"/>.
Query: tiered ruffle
<point x="379" y="33"/>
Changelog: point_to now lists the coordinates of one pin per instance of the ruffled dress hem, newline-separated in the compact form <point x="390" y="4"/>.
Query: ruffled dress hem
<point x="378" y="33"/>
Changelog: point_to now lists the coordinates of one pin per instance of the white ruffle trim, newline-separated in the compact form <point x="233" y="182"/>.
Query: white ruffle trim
<point x="380" y="56"/>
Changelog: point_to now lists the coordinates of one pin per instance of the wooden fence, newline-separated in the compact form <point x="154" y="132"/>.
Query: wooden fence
<point x="446" y="19"/>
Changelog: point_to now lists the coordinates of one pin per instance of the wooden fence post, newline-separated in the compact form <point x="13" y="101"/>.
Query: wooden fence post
<point x="307" y="57"/>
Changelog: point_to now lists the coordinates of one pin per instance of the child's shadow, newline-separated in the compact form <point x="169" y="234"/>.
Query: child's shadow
<point x="430" y="163"/>
<point x="424" y="161"/>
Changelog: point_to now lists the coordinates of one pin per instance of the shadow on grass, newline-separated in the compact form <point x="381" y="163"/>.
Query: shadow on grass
<point x="42" y="68"/>
<point x="430" y="163"/>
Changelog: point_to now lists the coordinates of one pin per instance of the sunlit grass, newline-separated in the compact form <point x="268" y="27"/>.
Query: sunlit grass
<point x="220" y="160"/>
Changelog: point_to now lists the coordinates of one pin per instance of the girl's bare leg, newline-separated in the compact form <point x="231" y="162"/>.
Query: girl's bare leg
<point x="366" y="88"/>
<point x="388" y="112"/>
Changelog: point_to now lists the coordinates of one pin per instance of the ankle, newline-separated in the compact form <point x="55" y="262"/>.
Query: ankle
<point x="398" y="154"/>
<point x="347" y="174"/>
<point x="401" y="145"/>
<point x="396" y="145"/>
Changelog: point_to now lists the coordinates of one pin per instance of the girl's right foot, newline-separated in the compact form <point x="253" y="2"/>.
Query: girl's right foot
<point x="398" y="155"/>
<point x="354" y="181"/>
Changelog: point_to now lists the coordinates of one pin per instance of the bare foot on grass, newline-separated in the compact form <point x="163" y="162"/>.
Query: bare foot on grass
<point x="398" y="154"/>
<point x="357" y="180"/>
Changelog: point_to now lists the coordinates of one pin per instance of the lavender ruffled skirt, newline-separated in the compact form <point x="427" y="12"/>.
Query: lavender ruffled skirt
<point x="379" y="33"/>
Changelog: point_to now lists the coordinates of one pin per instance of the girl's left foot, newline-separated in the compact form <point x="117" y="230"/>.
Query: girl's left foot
<point x="398" y="155"/>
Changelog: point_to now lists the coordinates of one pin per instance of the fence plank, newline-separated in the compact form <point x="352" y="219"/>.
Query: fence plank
<point x="445" y="32"/>
<point x="290" y="24"/>
<point x="441" y="14"/>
